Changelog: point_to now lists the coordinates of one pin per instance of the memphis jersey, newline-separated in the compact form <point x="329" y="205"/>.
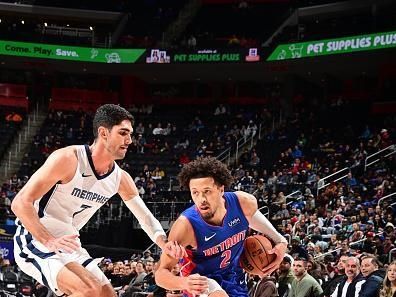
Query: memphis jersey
<point x="219" y="247"/>
<point x="66" y="208"/>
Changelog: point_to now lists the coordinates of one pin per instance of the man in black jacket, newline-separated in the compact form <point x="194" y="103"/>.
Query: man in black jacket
<point x="374" y="277"/>
<point x="351" y="286"/>
<point x="337" y="278"/>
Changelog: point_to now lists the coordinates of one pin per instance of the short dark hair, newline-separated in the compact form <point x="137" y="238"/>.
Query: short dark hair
<point x="109" y="115"/>
<point x="302" y="259"/>
<point x="205" y="167"/>
<point x="373" y="259"/>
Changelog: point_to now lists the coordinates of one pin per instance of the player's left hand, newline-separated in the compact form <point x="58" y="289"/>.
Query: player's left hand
<point x="174" y="250"/>
<point x="279" y="250"/>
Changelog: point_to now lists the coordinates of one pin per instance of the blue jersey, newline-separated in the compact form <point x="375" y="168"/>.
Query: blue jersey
<point x="219" y="247"/>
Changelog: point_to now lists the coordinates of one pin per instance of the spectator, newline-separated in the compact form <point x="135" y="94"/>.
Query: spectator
<point x="297" y="250"/>
<point x="286" y="276"/>
<point x="373" y="276"/>
<point x="265" y="287"/>
<point x="192" y="42"/>
<point x="148" y="257"/>
<point x="390" y="230"/>
<point x="139" y="129"/>
<point x="141" y="143"/>
<point x="157" y="173"/>
<point x="368" y="245"/>
<point x="304" y="285"/>
<point x="339" y="276"/>
<point x="389" y="286"/>
<point x="182" y="143"/>
<point x="158" y="130"/>
<point x="136" y="284"/>
<point x="350" y="286"/>
<point x="254" y="160"/>
<point x="220" y="110"/>
<point x="387" y="247"/>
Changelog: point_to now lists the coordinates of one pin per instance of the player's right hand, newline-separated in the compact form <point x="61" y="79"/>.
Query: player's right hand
<point x="196" y="284"/>
<point x="66" y="243"/>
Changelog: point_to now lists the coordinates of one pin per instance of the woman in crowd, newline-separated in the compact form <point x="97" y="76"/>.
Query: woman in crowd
<point x="389" y="286"/>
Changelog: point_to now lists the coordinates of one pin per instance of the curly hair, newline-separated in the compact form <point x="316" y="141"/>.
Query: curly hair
<point x="205" y="167"/>
<point x="109" y="115"/>
<point x="386" y="290"/>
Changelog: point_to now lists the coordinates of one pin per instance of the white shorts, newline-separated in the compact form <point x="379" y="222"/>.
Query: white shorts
<point x="36" y="260"/>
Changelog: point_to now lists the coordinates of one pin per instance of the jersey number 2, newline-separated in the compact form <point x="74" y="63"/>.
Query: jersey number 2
<point x="226" y="261"/>
<point x="83" y="207"/>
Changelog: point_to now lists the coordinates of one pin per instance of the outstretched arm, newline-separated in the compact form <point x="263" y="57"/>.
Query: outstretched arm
<point x="149" y="223"/>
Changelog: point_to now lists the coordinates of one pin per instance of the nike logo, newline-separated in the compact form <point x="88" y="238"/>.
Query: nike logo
<point x="86" y="175"/>
<point x="241" y="282"/>
<point x="210" y="237"/>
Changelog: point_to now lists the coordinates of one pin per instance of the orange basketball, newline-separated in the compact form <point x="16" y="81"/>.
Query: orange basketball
<point x="254" y="257"/>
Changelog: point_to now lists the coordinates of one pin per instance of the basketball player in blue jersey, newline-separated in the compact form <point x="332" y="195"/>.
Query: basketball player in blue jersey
<point x="63" y="195"/>
<point x="213" y="231"/>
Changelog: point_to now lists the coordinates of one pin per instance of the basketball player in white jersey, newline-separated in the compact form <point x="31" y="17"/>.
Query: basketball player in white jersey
<point x="63" y="195"/>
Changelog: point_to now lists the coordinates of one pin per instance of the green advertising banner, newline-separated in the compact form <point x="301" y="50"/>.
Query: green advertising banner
<point x="334" y="46"/>
<point x="203" y="56"/>
<point x="72" y="53"/>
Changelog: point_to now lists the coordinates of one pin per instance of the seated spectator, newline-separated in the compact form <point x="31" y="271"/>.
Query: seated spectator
<point x="297" y="250"/>
<point x="136" y="284"/>
<point x="158" y="130"/>
<point x="283" y="213"/>
<point x="182" y="144"/>
<point x="368" y="245"/>
<point x="339" y="275"/>
<point x="266" y="286"/>
<point x="286" y="276"/>
<point x="139" y="129"/>
<point x="220" y="110"/>
<point x="374" y="277"/>
<point x="184" y="159"/>
<point x="254" y="160"/>
<point x="352" y="285"/>
<point x="157" y="173"/>
<point x="304" y="285"/>
<point x="389" y="287"/>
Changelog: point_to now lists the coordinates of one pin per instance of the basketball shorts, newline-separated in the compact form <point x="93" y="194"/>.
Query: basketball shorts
<point x="36" y="260"/>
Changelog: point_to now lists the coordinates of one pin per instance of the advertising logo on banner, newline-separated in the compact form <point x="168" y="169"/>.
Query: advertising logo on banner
<point x="207" y="55"/>
<point x="158" y="56"/>
<point x="7" y="249"/>
<point x="253" y="55"/>
<point x="334" y="46"/>
<point x="73" y="53"/>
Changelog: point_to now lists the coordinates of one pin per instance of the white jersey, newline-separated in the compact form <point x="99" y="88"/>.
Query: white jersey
<point x="66" y="208"/>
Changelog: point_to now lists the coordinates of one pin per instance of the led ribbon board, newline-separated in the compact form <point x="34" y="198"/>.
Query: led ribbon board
<point x="72" y="53"/>
<point x="334" y="46"/>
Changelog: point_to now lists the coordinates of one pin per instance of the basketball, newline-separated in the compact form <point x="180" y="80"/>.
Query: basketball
<point x="254" y="257"/>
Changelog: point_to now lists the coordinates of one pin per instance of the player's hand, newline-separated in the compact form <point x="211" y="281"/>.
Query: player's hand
<point x="174" y="250"/>
<point x="66" y="243"/>
<point x="196" y="284"/>
<point x="279" y="250"/>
